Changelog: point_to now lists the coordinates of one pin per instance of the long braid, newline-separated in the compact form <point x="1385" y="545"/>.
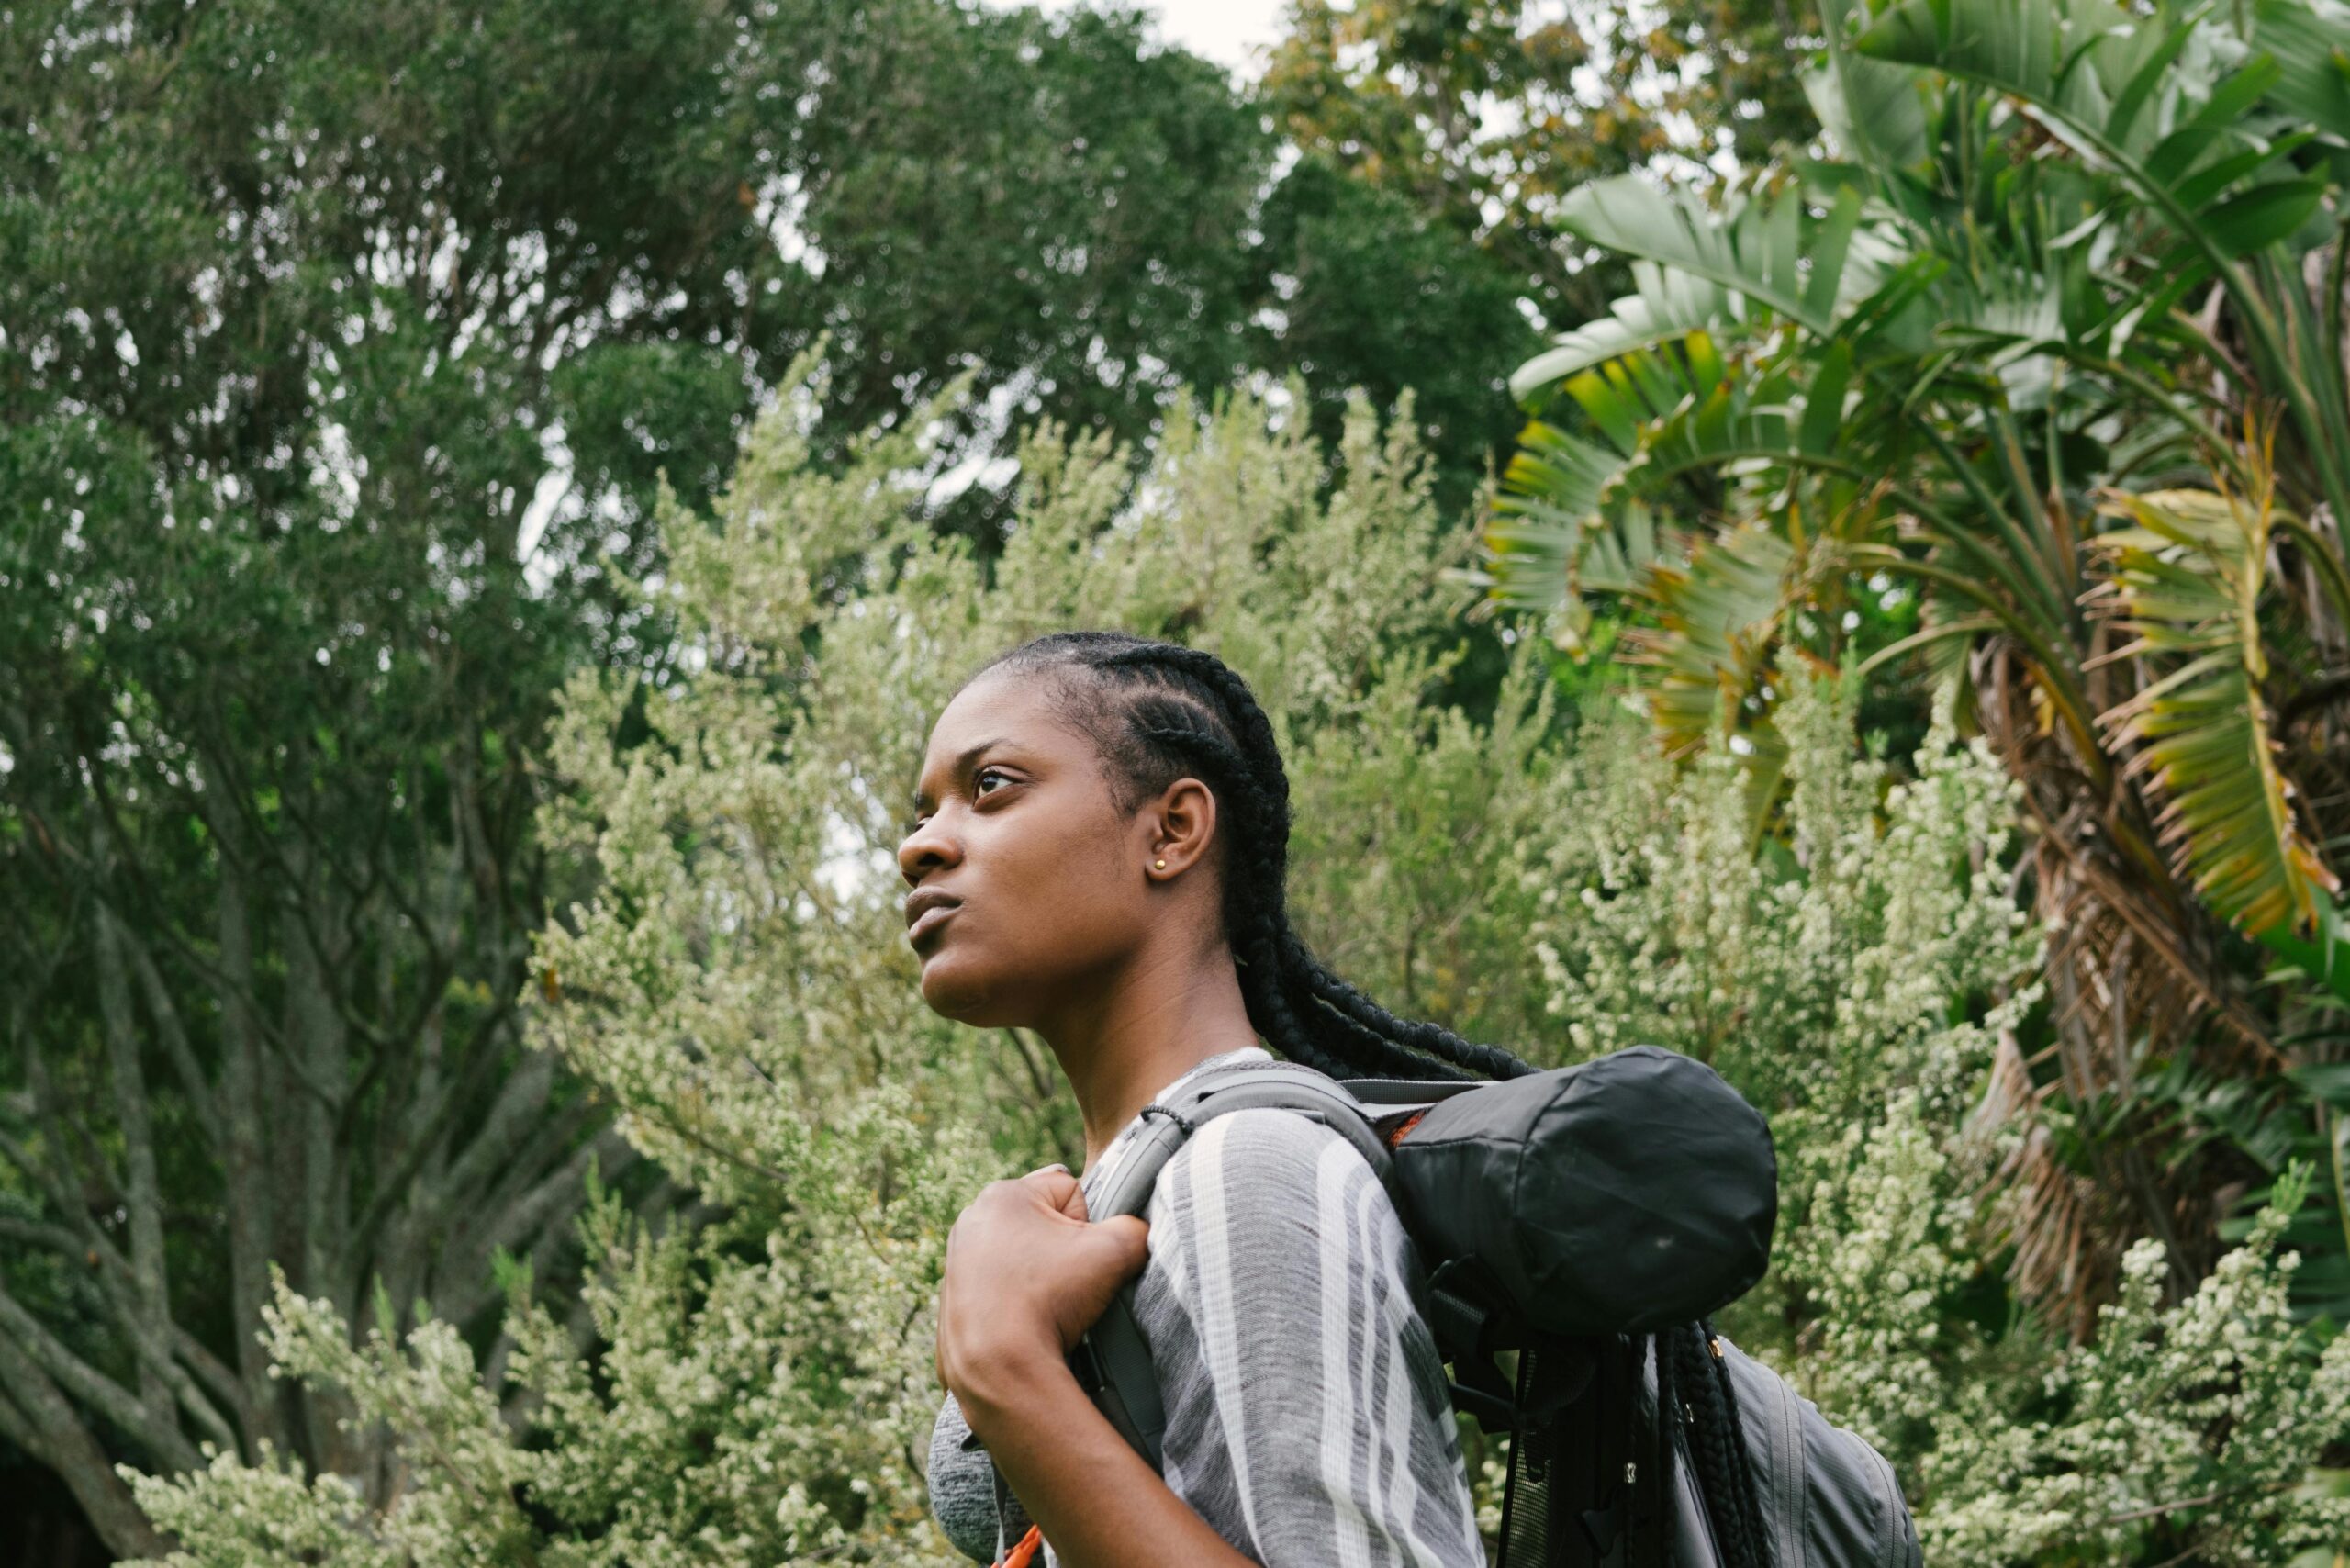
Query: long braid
<point x="1701" y="1382"/>
<point x="1749" y="1500"/>
<point x="1489" y="1061"/>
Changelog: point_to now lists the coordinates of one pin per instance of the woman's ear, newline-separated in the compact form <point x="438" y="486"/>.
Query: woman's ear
<point x="1177" y="829"/>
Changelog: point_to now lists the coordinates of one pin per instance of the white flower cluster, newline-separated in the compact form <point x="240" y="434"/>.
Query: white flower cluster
<point x="2197" y="1426"/>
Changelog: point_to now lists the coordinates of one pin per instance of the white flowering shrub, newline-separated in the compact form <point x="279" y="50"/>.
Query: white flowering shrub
<point x="1854" y="985"/>
<point x="746" y="1376"/>
<point x="1819" y="977"/>
<point x="2189" y="1432"/>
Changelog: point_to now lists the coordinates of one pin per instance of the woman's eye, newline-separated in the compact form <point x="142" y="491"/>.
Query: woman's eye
<point x="979" y="781"/>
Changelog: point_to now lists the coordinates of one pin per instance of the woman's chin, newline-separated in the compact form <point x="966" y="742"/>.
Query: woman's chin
<point x="952" y="990"/>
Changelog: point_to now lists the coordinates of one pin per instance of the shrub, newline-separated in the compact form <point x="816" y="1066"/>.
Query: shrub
<point x="750" y="1379"/>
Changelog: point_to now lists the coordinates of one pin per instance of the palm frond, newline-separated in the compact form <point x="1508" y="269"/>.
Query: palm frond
<point x="2186" y="583"/>
<point x="1663" y="308"/>
<point x="1774" y="255"/>
<point x="1717" y="619"/>
<point x="1871" y="111"/>
<point x="1664" y="413"/>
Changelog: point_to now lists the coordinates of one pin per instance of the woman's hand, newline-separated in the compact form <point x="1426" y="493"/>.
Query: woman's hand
<point x="1026" y="1275"/>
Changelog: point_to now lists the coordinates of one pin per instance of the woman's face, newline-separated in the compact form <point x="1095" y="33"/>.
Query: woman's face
<point x="1026" y="878"/>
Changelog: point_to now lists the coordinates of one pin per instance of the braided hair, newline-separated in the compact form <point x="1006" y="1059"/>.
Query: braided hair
<point x="1694" y="1388"/>
<point x="1158" y="711"/>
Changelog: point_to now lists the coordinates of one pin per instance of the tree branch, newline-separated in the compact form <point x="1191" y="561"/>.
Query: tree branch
<point x="38" y="1419"/>
<point x="244" y="1159"/>
<point x="393" y="1187"/>
<point x="144" y="1200"/>
<point x="26" y="1333"/>
<point x="194" y="1083"/>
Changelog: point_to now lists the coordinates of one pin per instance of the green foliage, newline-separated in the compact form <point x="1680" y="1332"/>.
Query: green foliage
<point x="1484" y="115"/>
<point x="2034" y="354"/>
<point x="2191" y="1429"/>
<point x="756" y="1393"/>
<point x="2186" y="583"/>
<point x="1046" y="203"/>
<point x="1377" y="296"/>
<point x="2046" y="349"/>
<point x="1822" y="978"/>
<point x="1861" y="989"/>
<point x="749" y="1379"/>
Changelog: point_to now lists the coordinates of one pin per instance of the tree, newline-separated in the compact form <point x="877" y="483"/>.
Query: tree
<point x="295" y="301"/>
<point x="1483" y="117"/>
<point x="974" y="193"/>
<point x="1371" y="297"/>
<point x="1961" y="361"/>
<point x="1052" y="205"/>
<point x="342" y="354"/>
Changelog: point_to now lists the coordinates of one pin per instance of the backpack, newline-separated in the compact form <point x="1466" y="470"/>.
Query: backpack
<point x="1564" y="1218"/>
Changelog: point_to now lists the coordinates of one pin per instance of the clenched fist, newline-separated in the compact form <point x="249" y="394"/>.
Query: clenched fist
<point x="1026" y="1275"/>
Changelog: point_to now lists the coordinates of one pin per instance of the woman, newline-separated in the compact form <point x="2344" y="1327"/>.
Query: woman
<point x="1098" y="856"/>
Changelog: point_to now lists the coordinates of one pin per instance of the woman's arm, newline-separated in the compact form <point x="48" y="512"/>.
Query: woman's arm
<point x="1097" y="1502"/>
<point x="1025" y="1277"/>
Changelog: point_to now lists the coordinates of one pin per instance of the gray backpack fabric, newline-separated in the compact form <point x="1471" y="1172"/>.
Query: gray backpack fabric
<point x="1827" y="1497"/>
<point x="1563" y="1217"/>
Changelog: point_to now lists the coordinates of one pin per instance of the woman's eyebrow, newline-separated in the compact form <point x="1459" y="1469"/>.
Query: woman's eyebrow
<point x="962" y="767"/>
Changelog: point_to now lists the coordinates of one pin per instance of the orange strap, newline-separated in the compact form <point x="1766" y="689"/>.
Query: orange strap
<point x="1025" y="1552"/>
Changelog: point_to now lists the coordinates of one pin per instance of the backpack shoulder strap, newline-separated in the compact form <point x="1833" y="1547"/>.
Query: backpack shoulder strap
<point x="1112" y="1362"/>
<point x="1278" y="1086"/>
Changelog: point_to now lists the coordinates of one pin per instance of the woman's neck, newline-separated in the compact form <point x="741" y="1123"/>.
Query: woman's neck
<point x="1150" y="1026"/>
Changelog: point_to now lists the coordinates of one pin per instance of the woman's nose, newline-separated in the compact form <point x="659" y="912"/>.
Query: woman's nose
<point x="926" y="849"/>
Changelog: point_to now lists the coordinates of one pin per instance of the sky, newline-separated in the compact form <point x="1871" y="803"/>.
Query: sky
<point x="1234" y="33"/>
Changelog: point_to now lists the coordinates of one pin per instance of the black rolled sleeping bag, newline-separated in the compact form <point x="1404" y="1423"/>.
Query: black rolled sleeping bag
<point x="1620" y="1196"/>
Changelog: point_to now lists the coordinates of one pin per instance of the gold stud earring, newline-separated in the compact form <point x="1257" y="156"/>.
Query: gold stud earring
<point x="1158" y="865"/>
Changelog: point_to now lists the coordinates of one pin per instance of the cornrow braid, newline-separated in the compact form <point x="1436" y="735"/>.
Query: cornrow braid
<point x="1700" y="1384"/>
<point x="1749" y="1500"/>
<point x="1159" y="711"/>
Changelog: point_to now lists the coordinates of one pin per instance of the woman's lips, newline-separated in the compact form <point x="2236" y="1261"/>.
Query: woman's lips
<point x="928" y="921"/>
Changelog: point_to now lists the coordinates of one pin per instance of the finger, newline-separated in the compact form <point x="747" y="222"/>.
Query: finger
<point x="1073" y="1203"/>
<point x="1052" y="1185"/>
<point x="1126" y="1240"/>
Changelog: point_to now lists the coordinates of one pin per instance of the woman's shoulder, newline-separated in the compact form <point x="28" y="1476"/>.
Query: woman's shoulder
<point x="1264" y="1137"/>
<point x="1271" y="1171"/>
